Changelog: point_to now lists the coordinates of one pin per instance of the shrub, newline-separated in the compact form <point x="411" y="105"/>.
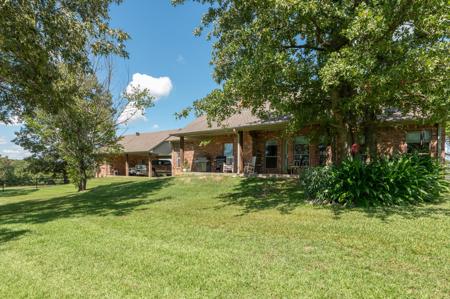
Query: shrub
<point x="406" y="179"/>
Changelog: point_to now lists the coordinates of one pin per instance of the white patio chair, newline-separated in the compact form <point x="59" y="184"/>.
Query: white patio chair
<point x="229" y="165"/>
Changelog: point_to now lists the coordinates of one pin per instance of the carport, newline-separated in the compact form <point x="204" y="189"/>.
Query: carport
<point x="138" y="149"/>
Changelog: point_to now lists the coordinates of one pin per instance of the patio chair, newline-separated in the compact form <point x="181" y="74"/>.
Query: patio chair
<point x="229" y="165"/>
<point x="249" y="168"/>
<point x="219" y="162"/>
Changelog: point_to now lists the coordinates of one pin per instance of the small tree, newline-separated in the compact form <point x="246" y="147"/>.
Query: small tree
<point x="43" y="144"/>
<point x="86" y="131"/>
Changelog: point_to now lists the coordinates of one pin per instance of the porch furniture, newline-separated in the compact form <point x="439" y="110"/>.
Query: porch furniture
<point x="296" y="168"/>
<point x="229" y="165"/>
<point x="201" y="164"/>
<point x="249" y="168"/>
<point x="218" y="163"/>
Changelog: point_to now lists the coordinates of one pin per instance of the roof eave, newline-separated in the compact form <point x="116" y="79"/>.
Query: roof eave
<point x="231" y="129"/>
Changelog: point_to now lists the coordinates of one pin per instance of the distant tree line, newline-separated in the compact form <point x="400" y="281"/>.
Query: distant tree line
<point x="22" y="173"/>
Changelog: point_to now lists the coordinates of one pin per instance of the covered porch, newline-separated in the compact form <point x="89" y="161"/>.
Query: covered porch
<point x="263" y="152"/>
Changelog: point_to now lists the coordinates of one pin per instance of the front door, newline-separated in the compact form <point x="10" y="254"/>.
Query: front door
<point x="271" y="159"/>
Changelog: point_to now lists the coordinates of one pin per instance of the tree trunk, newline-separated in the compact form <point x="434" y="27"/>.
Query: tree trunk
<point x="65" y="177"/>
<point x="370" y="135"/>
<point x="371" y="141"/>
<point x="82" y="184"/>
<point x="341" y="142"/>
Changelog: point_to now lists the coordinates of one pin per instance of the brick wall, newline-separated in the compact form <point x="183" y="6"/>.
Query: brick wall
<point x="391" y="140"/>
<point x="207" y="147"/>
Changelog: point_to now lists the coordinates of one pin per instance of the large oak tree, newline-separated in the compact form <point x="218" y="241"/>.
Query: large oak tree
<point x="339" y="64"/>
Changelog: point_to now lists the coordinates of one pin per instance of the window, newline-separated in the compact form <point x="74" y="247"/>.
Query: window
<point x="418" y="141"/>
<point x="323" y="154"/>
<point x="301" y="151"/>
<point x="228" y="150"/>
<point x="271" y="154"/>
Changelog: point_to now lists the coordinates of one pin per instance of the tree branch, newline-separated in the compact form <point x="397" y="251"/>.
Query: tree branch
<point x="304" y="47"/>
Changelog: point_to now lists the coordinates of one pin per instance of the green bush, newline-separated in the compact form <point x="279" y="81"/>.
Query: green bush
<point x="406" y="179"/>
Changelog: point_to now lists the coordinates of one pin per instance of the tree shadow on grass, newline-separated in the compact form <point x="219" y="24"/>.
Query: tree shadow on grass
<point x="7" y="235"/>
<point x="256" y="194"/>
<point x="15" y="192"/>
<point x="385" y="213"/>
<point x="116" y="199"/>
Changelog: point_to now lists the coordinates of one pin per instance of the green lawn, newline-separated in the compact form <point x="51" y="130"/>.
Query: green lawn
<point x="215" y="237"/>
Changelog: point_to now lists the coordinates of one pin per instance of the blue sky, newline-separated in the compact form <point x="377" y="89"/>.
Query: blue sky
<point x="162" y="45"/>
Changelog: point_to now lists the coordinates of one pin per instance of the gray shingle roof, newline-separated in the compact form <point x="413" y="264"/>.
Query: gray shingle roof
<point x="244" y="119"/>
<point x="144" y="142"/>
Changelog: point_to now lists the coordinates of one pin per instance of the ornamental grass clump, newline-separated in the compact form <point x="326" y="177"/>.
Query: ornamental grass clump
<point x="406" y="179"/>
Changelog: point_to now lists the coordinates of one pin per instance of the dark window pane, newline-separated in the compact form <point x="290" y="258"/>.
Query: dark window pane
<point x="271" y="150"/>
<point x="271" y="162"/>
<point x="423" y="148"/>
<point x="301" y="152"/>
<point x="271" y="154"/>
<point x="322" y="154"/>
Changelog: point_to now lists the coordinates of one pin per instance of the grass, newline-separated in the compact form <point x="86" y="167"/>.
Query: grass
<point x="215" y="237"/>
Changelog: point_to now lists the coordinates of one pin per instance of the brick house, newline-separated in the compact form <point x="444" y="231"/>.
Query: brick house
<point x="138" y="149"/>
<point x="202" y="148"/>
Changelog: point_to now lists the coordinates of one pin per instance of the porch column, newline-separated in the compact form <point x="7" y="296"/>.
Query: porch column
<point x="182" y="151"/>
<point x="126" y="164"/>
<point x="149" y="169"/>
<point x="240" y="152"/>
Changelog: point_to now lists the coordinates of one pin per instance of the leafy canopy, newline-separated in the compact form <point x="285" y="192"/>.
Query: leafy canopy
<point x="339" y="63"/>
<point x="36" y="36"/>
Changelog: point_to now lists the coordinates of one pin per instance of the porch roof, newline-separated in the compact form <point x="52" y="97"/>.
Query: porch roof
<point x="144" y="142"/>
<point x="243" y="120"/>
<point x="246" y="120"/>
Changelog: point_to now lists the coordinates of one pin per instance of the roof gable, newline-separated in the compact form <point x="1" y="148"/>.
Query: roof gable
<point x="144" y="142"/>
<point x="243" y="119"/>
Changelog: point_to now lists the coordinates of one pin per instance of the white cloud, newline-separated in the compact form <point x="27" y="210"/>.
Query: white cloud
<point x="15" y="153"/>
<point x="11" y="151"/>
<point x="131" y="113"/>
<point x="2" y="140"/>
<point x="155" y="126"/>
<point x="158" y="87"/>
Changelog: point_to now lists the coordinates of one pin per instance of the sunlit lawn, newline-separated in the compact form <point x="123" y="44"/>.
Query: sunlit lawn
<point x="215" y="237"/>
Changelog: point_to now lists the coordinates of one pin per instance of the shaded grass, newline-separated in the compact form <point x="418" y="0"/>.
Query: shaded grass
<point x="10" y="192"/>
<point x="216" y="237"/>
